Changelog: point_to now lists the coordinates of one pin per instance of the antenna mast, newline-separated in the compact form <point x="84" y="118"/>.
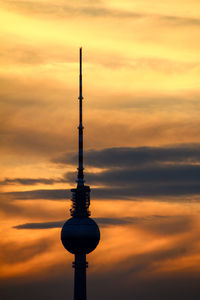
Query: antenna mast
<point x="80" y="129"/>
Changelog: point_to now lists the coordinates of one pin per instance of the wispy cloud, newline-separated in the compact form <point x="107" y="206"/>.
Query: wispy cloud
<point x="89" y="9"/>
<point x="69" y="9"/>
<point x="23" y="251"/>
<point x="50" y="194"/>
<point x="102" y="221"/>
<point x="40" y="225"/>
<point x="180" y="21"/>
<point x="31" y="181"/>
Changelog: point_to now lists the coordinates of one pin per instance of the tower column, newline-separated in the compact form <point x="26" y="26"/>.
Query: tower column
<point x="80" y="266"/>
<point x="80" y="234"/>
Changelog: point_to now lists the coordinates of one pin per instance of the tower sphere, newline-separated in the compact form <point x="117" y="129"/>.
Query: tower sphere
<point x="80" y="235"/>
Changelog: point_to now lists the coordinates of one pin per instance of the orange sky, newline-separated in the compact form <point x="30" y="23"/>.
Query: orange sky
<point x="141" y="116"/>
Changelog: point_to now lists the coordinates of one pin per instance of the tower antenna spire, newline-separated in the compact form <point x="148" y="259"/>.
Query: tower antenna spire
<point x="80" y="234"/>
<point x="80" y="128"/>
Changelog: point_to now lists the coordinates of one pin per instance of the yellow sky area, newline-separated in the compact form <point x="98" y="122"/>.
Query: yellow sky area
<point x="163" y="79"/>
<point x="49" y="131"/>
<point x="133" y="38"/>
<point x="156" y="76"/>
<point x="154" y="130"/>
<point x="142" y="56"/>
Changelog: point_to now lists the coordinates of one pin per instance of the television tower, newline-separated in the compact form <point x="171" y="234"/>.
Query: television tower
<point x="80" y="234"/>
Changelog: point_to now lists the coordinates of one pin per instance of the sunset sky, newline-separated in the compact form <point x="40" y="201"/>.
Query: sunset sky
<point x="141" y="78"/>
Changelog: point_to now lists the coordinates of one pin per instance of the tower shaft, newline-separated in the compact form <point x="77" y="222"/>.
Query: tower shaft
<point x="80" y="266"/>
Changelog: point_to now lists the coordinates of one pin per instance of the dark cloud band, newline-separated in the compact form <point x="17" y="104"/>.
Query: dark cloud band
<point x="121" y="157"/>
<point x="130" y="173"/>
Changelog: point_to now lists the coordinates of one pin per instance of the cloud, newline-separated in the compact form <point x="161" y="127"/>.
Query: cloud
<point x="143" y="171"/>
<point x="127" y="173"/>
<point x="69" y="9"/>
<point x="139" y="156"/>
<point x="131" y="188"/>
<point x="50" y="194"/>
<point x="58" y="224"/>
<point x="158" y="192"/>
<point x="160" y="174"/>
<point x="89" y="9"/>
<point x="180" y="21"/>
<point x="31" y="181"/>
<point x="40" y="225"/>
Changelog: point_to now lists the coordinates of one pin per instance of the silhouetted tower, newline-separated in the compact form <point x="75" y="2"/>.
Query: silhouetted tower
<point x="80" y="235"/>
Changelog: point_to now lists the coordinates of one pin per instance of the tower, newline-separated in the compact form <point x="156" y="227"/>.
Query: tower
<point x="80" y="234"/>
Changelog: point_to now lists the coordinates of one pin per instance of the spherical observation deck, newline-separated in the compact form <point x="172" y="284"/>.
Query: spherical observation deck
<point x="80" y="235"/>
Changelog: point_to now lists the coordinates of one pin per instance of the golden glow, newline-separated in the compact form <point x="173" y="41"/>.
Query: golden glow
<point x="141" y="88"/>
<point x="149" y="233"/>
